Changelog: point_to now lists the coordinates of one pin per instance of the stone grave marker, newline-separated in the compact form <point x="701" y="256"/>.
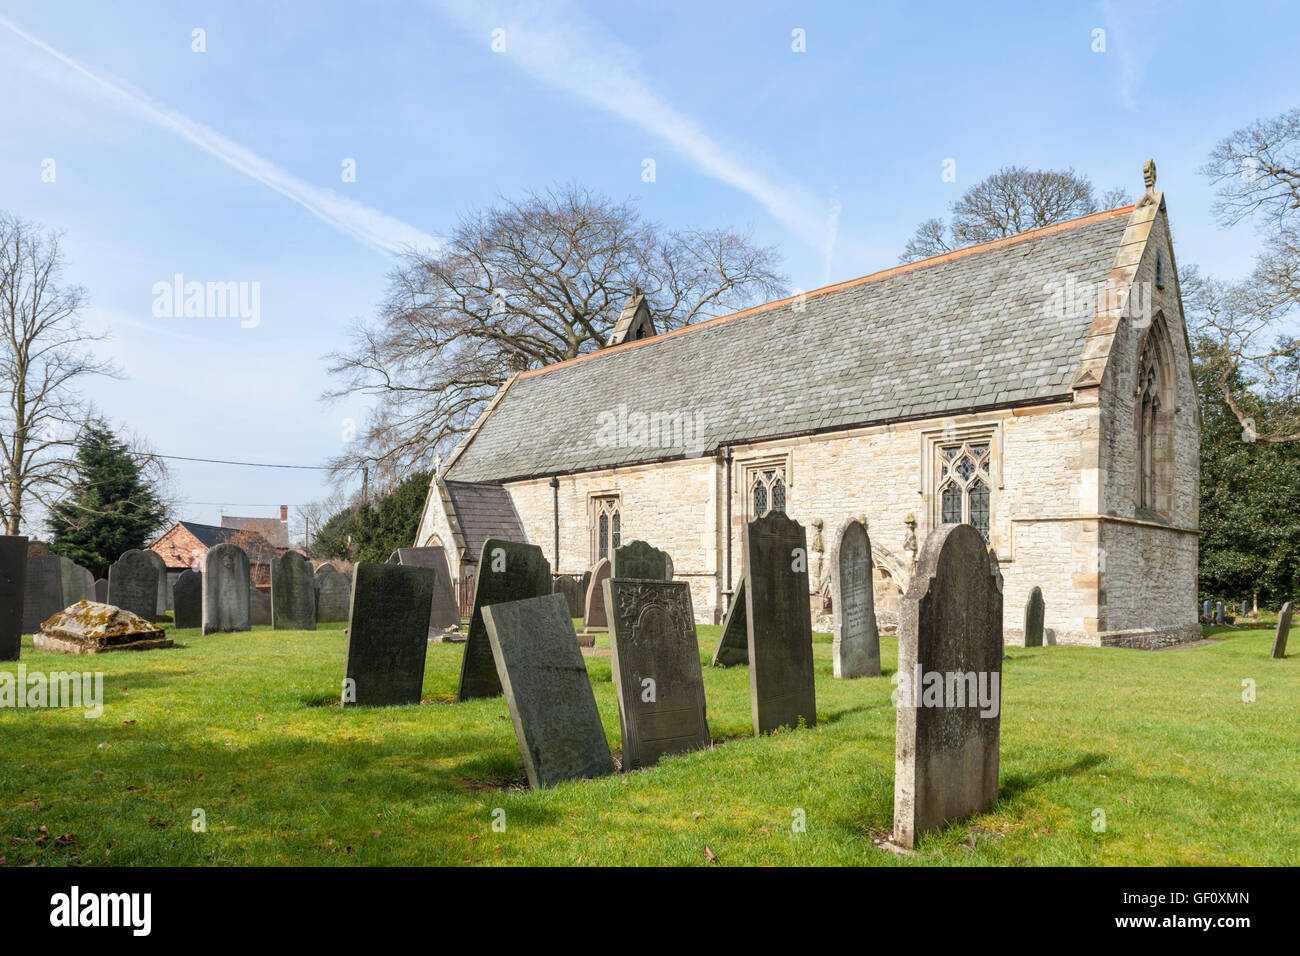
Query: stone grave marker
<point x="507" y="571"/>
<point x="259" y="608"/>
<point x="333" y="596"/>
<point x="444" y="612"/>
<point x="1283" y="630"/>
<point x="293" y="593"/>
<point x="90" y="628"/>
<point x="778" y="617"/>
<point x="388" y="634"/>
<point x="1220" y="616"/>
<point x="574" y="589"/>
<point x="1206" y="610"/>
<point x="13" y="586"/>
<point x="101" y="590"/>
<point x="733" y="646"/>
<point x="225" y="589"/>
<point x="43" y="590"/>
<point x="325" y="568"/>
<point x="950" y="684"/>
<point x="187" y="599"/>
<point x="78" y="583"/>
<point x="542" y="674"/>
<point x="594" y="617"/>
<point x="656" y="662"/>
<point x="640" y="561"/>
<point x="855" y="643"/>
<point x="133" y="584"/>
<point x="1035" y="610"/>
<point x="161" y="595"/>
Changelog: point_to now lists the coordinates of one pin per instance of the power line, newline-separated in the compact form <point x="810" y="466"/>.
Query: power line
<point x="224" y="461"/>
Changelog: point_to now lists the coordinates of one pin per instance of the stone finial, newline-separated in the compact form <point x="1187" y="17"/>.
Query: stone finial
<point x="1149" y="177"/>
<point x="909" y="539"/>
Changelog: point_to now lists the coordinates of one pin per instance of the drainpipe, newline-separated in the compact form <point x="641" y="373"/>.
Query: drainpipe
<point x="727" y="461"/>
<point x="555" y="496"/>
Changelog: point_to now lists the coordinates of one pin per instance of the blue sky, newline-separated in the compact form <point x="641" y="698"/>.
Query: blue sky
<point x="226" y="165"/>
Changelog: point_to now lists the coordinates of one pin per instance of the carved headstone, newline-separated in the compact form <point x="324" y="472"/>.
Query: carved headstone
<point x="133" y="584"/>
<point x="293" y="593"/>
<point x="90" y="628"/>
<point x="1283" y="630"/>
<point x="778" y="616"/>
<point x="388" y="634"/>
<point x="101" y="591"/>
<point x="655" y="657"/>
<point x="444" y="612"/>
<point x="13" y="585"/>
<point x="160" y="567"/>
<point x="507" y="571"/>
<point x="1220" y="615"/>
<point x="855" y="643"/>
<point x="259" y="608"/>
<point x="187" y="599"/>
<point x="43" y="590"/>
<point x="733" y="646"/>
<point x="226" y="590"/>
<point x="950" y="684"/>
<point x="1035" y="611"/>
<point x="78" y="583"/>
<point x="542" y="674"/>
<point x="640" y="561"/>
<point x="594" y="617"/>
<point x="574" y="589"/>
<point x="333" y="595"/>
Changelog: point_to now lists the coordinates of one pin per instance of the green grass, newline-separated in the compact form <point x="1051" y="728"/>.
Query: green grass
<point x="245" y="726"/>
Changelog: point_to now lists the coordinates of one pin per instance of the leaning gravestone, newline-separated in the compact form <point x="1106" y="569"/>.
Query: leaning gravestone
<point x="507" y="571"/>
<point x="101" y="591"/>
<point x="78" y="583"/>
<point x="640" y="561"/>
<point x="855" y="645"/>
<point x="1283" y="630"/>
<point x="950" y="684"/>
<point x="542" y="674"/>
<point x="333" y="596"/>
<point x="226" y="597"/>
<point x="187" y="599"/>
<point x="259" y="608"/>
<point x="444" y="612"/>
<point x="13" y="583"/>
<point x="90" y="628"/>
<point x="160" y="566"/>
<point x="43" y="591"/>
<point x="574" y="589"/>
<point x="778" y="616"/>
<point x="388" y="634"/>
<point x="594" y="617"/>
<point x="1035" y="610"/>
<point x="293" y="593"/>
<point x="733" y="646"/>
<point x="1220" y="617"/>
<point x="656" y="661"/>
<point x="133" y="584"/>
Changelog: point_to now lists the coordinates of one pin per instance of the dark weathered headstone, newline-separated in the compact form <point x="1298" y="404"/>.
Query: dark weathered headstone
<point x="1283" y="630"/>
<point x="778" y="617"/>
<point x="1220" y="614"/>
<point x="950" y="685"/>
<point x="13" y="586"/>
<point x="1206" y="610"/>
<point x="655" y="657"/>
<point x="90" y="628"/>
<point x="507" y="571"/>
<point x="226" y="590"/>
<point x="388" y="634"/>
<point x="855" y="638"/>
<point x="733" y="646"/>
<point x="101" y="591"/>
<point x="333" y="595"/>
<point x="43" y="592"/>
<point x="259" y="608"/>
<point x="133" y="584"/>
<point x="78" y="583"/>
<point x="444" y="612"/>
<point x="293" y="593"/>
<point x="640" y="561"/>
<point x="325" y="568"/>
<point x="1035" y="610"/>
<point x="594" y="617"/>
<point x="542" y="674"/>
<point x="574" y="589"/>
<point x="160" y="568"/>
<point x="187" y="599"/>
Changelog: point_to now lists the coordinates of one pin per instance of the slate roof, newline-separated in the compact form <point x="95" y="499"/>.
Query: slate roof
<point x="275" y="531"/>
<point x="968" y="330"/>
<point x="482" y="511"/>
<point x="258" y="549"/>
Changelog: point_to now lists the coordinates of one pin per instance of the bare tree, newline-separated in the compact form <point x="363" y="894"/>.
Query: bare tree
<point x="523" y="284"/>
<point x="43" y="357"/>
<point x="1008" y="202"/>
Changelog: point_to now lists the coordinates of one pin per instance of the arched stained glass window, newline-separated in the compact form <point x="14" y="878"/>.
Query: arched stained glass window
<point x="607" y="531"/>
<point x="964" y="485"/>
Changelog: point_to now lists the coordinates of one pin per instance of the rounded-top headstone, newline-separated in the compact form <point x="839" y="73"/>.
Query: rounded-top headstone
<point x="133" y="584"/>
<point x="855" y="644"/>
<point x="226" y="587"/>
<point x="293" y="593"/>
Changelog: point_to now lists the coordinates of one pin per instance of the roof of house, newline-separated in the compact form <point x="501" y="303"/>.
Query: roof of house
<point x="275" y="531"/>
<point x="258" y="549"/>
<point x="481" y="511"/>
<point x="971" y="329"/>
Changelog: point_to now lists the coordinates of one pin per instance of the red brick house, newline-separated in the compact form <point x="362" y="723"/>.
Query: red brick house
<point x="186" y="544"/>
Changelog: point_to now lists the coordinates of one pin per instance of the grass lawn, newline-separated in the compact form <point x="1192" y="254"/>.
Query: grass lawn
<point x="247" y="728"/>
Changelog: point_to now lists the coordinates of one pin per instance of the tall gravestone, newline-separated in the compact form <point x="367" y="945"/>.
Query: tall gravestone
<point x="1283" y="630"/>
<point x="388" y="634"/>
<point x="259" y="608"/>
<point x="855" y="642"/>
<point x="640" y="561"/>
<point x="1206" y="610"/>
<point x="444" y="612"/>
<point x="78" y="583"/>
<point x="226" y="590"/>
<point x="133" y="584"/>
<point x="950" y="685"/>
<point x="293" y="593"/>
<point x="43" y="590"/>
<point x="552" y="705"/>
<point x="187" y="599"/>
<point x="1035" y="611"/>
<point x="333" y="596"/>
<point x="1220" y="615"/>
<point x="733" y="645"/>
<point x="507" y="571"/>
<point x="655" y="657"/>
<point x="160" y="568"/>
<point x="778" y="615"/>
<point x="13" y="585"/>
<point x="574" y="589"/>
<point x="101" y="591"/>
<point x="594" y="617"/>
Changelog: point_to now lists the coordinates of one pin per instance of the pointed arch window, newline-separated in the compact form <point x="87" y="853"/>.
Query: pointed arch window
<point x="766" y="490"/>
<point x="1148" y="407"/>
<point x="607" y="527"/>
<point x="964" y="485"/>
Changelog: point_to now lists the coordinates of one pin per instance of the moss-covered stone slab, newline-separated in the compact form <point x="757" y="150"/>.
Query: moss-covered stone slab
<point x="89" y="627"/>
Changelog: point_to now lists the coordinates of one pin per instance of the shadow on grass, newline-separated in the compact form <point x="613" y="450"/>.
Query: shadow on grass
<point x="1014" y="784"/>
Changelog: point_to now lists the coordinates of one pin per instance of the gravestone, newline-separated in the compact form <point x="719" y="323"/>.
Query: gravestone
<point x="226" y="590"/>
<point x="160" y="566"/>
<point x="1245" y="608"/>
<point x="507" y="571"/>
<point x="1206" y="610"/>
<point x="133" y="584"/>
<point x="187" y="599"/>
<point x="1035" y="610"/>
<point x="574" y="589"/>
<point x="950" y="683"/>
<point x="656" y="662"/>
<point x="325" y="568"/>
<point x="594" y="617"/>
<point x="855" y="645"/>
<point x="388" y="634"/>
<point x="1220" y="617"/>
<point x="13" y="585"/>
<point x="43" y="590"/>
<point x="259" y="608"/>
<point x="733" y="646"/>
<point x="778" y="616"/>
<point x="1283" y="630"/>
<point x="293" y="593"/>
<point x="639" y="561"/>
<point x="90" y="628"/>
<point x="333" y="596"/>
<point x="101" y="591"/>
<point x="444" y="612"/>
<point x="78" y="583"/>
<point x="542" y="674"/>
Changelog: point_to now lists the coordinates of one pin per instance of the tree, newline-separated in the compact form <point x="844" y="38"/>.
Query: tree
<point x="113" y="505"/>
<point x="372" y="532"/>
<point x="522" y="284"/>
<point x="43" y="358"/>
<point x="1010" y="201"/>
